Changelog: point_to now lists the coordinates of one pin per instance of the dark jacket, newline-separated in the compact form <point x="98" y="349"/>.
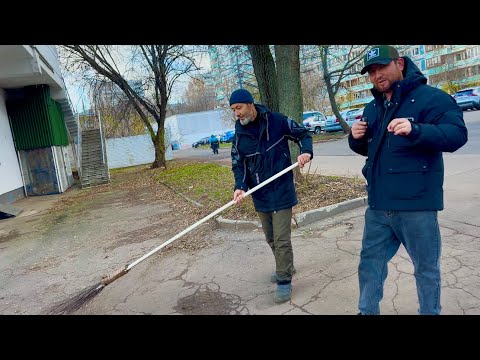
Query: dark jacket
<point x="406" y="172"/>
<point x="260" y="150"/>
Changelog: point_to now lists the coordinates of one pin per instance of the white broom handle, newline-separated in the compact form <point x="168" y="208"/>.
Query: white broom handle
<point x="128" y="267"/>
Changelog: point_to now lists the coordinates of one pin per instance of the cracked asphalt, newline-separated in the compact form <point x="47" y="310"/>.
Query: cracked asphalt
<point x="232" y="275"/>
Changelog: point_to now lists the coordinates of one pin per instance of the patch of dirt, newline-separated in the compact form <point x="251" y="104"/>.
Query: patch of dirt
<point x="47" y="263"/>
<point x="316" y="191"/>
<point x="138" y="186"/>
<point x="12" y="234"/>
<point x="206" y="301"/>
<point x="133" y="187"/>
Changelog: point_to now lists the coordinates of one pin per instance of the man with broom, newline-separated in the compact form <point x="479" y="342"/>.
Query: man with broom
<point x="260" y="150"/>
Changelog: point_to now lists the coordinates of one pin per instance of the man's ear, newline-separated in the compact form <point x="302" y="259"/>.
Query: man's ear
<point x="401" y="63"/>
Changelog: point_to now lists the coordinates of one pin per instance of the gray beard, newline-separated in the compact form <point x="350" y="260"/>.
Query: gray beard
<point x="244" y="121"/>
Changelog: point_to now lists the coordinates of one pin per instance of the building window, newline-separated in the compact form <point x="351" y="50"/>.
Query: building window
<point x="433" y="47"/>
<point x="415" y="51"/>
<point x="432" y="62"/>
<point x="473" y="52"/>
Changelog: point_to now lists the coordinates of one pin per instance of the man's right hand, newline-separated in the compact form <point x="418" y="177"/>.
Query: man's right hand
<point x="359" y="129"/>
<point x="238" y="196"/>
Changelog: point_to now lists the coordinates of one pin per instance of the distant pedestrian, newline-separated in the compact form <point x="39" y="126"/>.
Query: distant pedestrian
<point x="214" y="143"/>
<point x="259" y="151"/>
<point x="408" y="126"/>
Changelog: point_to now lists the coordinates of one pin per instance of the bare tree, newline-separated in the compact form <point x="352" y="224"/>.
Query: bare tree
<point x="333" y="77"/>
<point x="315" y="95"/>
<point x="158" y="66"/>
<point x="119" y="117"/>
<point x="198" y="97"/>
<point x="265" y="73"/>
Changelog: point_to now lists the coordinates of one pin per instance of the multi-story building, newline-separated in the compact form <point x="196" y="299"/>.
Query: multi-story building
<point x="443" y="65"/>
<point x="107" y="92"/>
<point x="231" y="68"/>
<point x="448" y="67"/>
<point x="452" y="64"/>
<point x="39" y="134"/>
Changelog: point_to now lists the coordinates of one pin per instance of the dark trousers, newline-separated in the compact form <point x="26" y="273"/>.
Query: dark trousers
<point x="277" y="229"/>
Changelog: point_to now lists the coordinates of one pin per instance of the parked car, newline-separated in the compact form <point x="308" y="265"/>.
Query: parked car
<point x="468" y="98"/>
<point x="349" y="115"/>
<point x="307" y="114"/>
<point x="228" y="136"/>
<point x="202" y="141"/>
<point x="354" y="115"/>
<point x="315" y="123"/>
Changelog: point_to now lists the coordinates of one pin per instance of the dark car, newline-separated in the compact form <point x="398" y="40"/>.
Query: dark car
<point x="202" y="141"/>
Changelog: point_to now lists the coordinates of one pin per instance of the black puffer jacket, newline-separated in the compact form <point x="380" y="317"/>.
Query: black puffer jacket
<point x="406" y="172"/>
<point x="260" y="150"/>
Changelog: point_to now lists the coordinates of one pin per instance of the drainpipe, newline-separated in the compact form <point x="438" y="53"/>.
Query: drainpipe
<point x="19" y="159"/>
<point x="35" y="61"/>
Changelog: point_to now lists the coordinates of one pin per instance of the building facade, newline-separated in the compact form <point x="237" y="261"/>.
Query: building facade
<point x="39" y="133"/>
<point x="446" y="66"/>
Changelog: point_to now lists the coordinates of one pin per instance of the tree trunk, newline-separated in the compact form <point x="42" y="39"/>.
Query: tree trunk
<point x="264" y="69"/>
<point x="290" y="97"/>
<point x="330" y="90"/>
<point x="159" y="145"/>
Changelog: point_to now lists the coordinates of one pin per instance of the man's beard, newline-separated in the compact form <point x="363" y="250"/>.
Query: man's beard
<point x="245" y="121"/>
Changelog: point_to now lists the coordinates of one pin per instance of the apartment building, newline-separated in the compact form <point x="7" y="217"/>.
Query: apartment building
<point x="446" y="66"/>
<point x="38" y="130"/>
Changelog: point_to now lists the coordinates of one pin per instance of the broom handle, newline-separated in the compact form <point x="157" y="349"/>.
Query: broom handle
<point x="226" y="206"/>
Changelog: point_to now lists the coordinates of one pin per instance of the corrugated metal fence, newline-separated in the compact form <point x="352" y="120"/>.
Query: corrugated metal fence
<point x="37" y="120"/>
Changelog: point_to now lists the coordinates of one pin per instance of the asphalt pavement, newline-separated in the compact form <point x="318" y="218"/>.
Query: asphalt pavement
<point x="232" y="274"/>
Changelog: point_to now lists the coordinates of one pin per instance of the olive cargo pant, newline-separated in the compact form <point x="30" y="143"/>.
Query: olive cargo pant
<point x="277" y="229"/>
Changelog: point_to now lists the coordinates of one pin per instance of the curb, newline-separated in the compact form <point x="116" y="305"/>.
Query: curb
<point x="301" y="219"/>
<point x="238" y="224"/>
<point x="311" y="216"/>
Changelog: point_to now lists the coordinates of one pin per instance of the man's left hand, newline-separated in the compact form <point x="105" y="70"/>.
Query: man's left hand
<point x="400" y="126"/>
<point x="303" y="159"/>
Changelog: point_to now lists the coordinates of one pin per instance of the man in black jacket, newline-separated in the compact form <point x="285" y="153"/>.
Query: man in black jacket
<point x="405" y="130"/>
<point x="259" y="151"/>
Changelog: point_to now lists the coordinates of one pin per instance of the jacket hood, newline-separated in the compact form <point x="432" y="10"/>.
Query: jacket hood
<point x="412" y="78"/>
<point x="262" y="109"/>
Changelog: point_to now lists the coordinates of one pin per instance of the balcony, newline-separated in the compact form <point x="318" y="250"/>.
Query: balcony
<point x="24" y="65"/>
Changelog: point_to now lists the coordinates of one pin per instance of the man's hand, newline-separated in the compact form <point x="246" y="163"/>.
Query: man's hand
<point x="303" y="159"/>
<point x="400" y="126"/>
<point x="238" y="196"/>
<point x="359" y="129"/>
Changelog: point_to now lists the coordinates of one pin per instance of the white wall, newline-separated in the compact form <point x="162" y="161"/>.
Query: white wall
<point x="10" y="177"/>
<point x="190" y="127"/>
<point x="132" y="150"/>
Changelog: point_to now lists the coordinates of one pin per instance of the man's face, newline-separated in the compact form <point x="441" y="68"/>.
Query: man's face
<point x="243" y="112"/>
<point x="383" y="76"/>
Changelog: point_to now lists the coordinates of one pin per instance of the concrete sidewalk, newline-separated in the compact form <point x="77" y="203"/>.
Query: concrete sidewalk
<point x="234" y="276"/>
<point x="231" y="273"/>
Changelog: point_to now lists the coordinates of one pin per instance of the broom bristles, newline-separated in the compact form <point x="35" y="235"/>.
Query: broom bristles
<point x="67" y="307"/>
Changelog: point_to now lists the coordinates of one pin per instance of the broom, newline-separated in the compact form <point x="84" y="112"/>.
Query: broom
<point x="77" y="301"/>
